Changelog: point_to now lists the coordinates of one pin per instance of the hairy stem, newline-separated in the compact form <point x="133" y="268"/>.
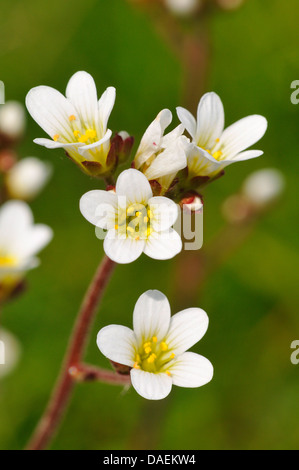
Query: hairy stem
<point x="59" y="399"/>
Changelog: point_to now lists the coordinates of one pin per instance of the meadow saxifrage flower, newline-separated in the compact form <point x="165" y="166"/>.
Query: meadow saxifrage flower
<point x="20" y="241"/>
<point x="156" y="348"/>
<point x="135" y="221"/>
<point x="77" y="123"/>
<point x="214" y="148"/>
<point x="160" y="156"/>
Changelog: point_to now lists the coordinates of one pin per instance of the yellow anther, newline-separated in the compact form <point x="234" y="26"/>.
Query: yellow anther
<point x="137" y="238"/>
<point x="154" y="339"/>
<point x="56" y="137"/>
<point x="168" y="373"/>
<point x="172" y="356"/>
<point x="90" y="133"/>
<point x="116" y="226"/>
<point x="72" y="118"/>
<point x="217" y="140"/>
<point x="149" y="231"/>
<point x="217" y="154"/>
<point x="163" y="346"/>
<point x="150" y="213"/>
<point x="138" y="214"/>
<point x="145" y="219"/>
<point x="83" y="139"/>
<point x="76" y="133"/>
<point x="151" y="358"/>
<point x="136" y="365"/>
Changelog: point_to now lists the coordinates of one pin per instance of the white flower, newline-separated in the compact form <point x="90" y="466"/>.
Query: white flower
<point x="12" y="119"/>
<point x="183" y="7"/>
<point x="77" y="122"/>
<point x="136" y="221"/>
<point x="10" y="352"/>
<point x="27" y="178"/>
<point x="156" y="349"/>
<point x="264" y="186"/>
<point x="215" y="148"/>
<point x="161" y="157"/>
<point x="20" y="241"/>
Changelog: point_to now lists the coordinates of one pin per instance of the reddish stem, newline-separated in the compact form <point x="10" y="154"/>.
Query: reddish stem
<point x="65" y="383"/>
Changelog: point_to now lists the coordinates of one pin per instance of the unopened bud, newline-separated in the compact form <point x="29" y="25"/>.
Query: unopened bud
<point x="183" y="7"/>
<point x="12" y="120"/>
<point x="192" y="203"/>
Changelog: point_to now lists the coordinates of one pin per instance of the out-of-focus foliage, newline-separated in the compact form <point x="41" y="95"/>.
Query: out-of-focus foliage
<point x="252" y="301"/>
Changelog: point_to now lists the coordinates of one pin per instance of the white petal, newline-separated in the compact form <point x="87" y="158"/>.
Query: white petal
<point x="151" y="386"/>
<point x="165" y="213"/>
<point x="117" y="343"/>
<point x="163" y="245"/>
<point x="191" y="370"/>
<point x="33" y="241"/>
<point x="172" y="136"/>
<point x="171" y="160"/>
<point x="51" y="144"/>
<point x="51" y="110"/>
<point x="188" y="120"/>
<point x="106" y="103"/>
<point x="186" y="328"/>
<point x="247" y="155"/>
<point x="134" y="186"/>
<point x="151" y="316"/>
<point x="122" y="250"/>
<point x="151" y="140"/>
<point x="15" y="219"/>
<point x="81" y="91"/>
<point x="210" y="120"/>
<point x="242" y="134"/>
<point x="99" y="207"/>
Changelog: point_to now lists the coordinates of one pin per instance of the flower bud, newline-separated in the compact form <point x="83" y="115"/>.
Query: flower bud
<point x="10" y="352"/>
<point x="192" y="203"/>
<point x="183" y="7"/>
<point x="27" y="178"/>
<point x="12" y="121"/>
<point x="263" y="186"/>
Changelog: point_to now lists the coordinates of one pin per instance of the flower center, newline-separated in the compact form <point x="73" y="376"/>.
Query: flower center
<point x="135" y="222"/>
<point x="153" y="356"/>
<point x="217" y="155"/>
<point x="6" y="260"/>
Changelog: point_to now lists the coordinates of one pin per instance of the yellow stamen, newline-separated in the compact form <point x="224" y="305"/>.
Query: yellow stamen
<point x="168" y="373"/>
<point x="136" y="365"/>
<point x="72" y="118"/>
<point x="217" y="140"/>
<point x="83" y="139"/>
<point x="56" y="137"/>
<point x="172" y="356"/>
<point x="116" y="227"/>
<point x="7" y="261"/>
<point x="145" y="219"/>
<point x="76" y="133"/>
<point x="217" y="154"/>
<point x="90" y="133"/>
<point x="150" y="213"/>
<point x="151" y="358"/>
<point x="138" y="214"/>
<point x="149" y="231"/>
<point x="154" y="339"/>
<point x="163" y="346"/>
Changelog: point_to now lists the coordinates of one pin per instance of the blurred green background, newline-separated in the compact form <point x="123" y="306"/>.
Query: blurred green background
<point x="252" y="300"/>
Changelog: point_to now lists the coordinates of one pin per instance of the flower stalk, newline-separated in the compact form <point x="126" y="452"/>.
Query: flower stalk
<point x="62" y="391"/>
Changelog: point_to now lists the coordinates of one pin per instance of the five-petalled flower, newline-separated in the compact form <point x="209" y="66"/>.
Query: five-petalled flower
<point x="20" y="241"/>
<point x="77" y="122"/>
<point x="160" y="156"/>
<point x="136" y="221"/>
<point x="156" y="348"/>
<point x="214" y="148"/>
